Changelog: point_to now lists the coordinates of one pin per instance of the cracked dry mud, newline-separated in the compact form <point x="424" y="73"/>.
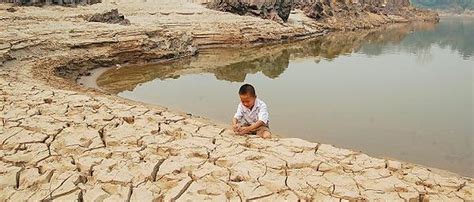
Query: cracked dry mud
<point x="62" y="142"/>
<point x="65" y="145"/>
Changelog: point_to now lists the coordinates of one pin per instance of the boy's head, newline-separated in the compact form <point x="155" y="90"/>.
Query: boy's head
<point x="247" y="95"/>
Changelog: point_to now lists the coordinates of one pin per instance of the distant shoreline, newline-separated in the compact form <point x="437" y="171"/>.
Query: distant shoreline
<point x="453" y="13"/>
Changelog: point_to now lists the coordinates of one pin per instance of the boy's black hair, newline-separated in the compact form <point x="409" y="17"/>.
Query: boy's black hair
<point x="247" y="88"/>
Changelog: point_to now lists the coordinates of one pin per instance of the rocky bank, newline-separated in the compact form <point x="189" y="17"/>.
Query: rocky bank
<point x="337" y="14"/>
<point x="60" y="141"/>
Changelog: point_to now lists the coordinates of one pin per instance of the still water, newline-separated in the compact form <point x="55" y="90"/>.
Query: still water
<point x="403" y="91"/>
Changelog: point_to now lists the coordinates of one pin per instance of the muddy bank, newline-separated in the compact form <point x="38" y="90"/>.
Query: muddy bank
<point x="64" y="142"/>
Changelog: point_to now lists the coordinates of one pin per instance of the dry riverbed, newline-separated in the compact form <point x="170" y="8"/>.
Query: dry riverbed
<point x="63" y="142"/>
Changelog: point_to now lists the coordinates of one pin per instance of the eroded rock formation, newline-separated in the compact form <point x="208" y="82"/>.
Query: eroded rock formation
<point x="278" y="10"/>
<point x="112" y="17"/>
<point x="348" y="10"/>
<point x="318" y="9"/>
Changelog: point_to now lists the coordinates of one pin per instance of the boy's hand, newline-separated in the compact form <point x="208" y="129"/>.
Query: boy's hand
<point x="244" y="130"/>
<point x="236" y="128"/>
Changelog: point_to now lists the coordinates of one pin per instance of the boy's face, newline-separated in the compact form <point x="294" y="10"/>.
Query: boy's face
<point x="248" y="100"/>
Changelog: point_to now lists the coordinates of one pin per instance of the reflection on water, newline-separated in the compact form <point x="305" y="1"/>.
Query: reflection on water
<point x="403" y="91"/>
<point x="235" y="64"/>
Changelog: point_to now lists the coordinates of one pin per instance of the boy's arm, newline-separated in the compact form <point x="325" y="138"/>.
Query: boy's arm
<point x="263" y="114"/>
<point x="235" y="119"/>
<point x="235" y="125"/>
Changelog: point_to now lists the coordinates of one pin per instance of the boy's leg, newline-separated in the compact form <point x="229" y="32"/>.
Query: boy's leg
<point x="264" y="132"/>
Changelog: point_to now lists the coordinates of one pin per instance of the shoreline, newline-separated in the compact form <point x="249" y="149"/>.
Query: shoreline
<point x="131" y="150"/>
<point x="204" y="62"/>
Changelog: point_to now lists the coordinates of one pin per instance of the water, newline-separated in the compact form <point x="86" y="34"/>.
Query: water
<point x="403" y="92"/>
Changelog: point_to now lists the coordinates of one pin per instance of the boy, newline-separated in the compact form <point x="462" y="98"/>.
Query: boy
<point x="252" y="115"/>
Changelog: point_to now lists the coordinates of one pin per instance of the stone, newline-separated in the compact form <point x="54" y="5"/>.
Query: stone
<point x="11" y="9"/>
<point x="112" y="17"/>
<point x="129" y="120"/>
<point x="278" y="10"/>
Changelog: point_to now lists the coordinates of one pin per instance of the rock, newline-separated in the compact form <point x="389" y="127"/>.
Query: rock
<point x="11" y="10"/>
<point x="129" y="120"/>
<point x="317" y="11"/>
<point x="111" y="17"/>
<point x="48" y="100"/>
<point x="351" y="8"/>
<point x="278" y="10"/>
<point x="46" y="2"/>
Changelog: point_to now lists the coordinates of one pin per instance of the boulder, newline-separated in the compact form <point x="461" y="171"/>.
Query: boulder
<point x="111" y="17"/>
<point x="278" y="10"/>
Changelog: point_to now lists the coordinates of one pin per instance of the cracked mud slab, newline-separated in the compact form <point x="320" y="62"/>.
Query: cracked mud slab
<point x="162" y="155"/>
<point x="62" y="142"/>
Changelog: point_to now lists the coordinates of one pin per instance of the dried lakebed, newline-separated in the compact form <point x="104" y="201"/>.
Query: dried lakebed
<point x="64" y="142"/>
<point x="352" y="89"/>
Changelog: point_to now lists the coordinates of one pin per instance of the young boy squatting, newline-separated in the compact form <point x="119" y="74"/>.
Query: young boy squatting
<point x="252" y="115"/>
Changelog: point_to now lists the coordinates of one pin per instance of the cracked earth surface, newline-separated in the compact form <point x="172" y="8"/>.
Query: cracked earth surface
<point x="62" y="142"/>
<point x="65" y="145"/>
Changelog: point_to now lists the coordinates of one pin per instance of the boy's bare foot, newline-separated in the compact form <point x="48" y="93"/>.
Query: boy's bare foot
<point x="266" y="135"/>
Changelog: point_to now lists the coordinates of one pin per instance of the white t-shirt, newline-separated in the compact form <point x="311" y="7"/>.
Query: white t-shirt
<point x="250" y="116"/>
